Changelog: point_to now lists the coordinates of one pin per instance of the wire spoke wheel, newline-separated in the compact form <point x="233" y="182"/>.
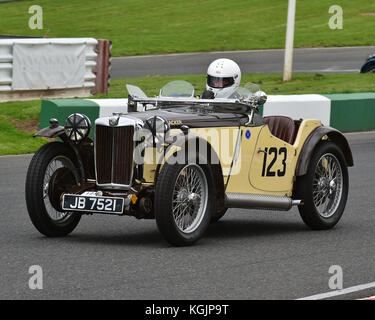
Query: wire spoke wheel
<point x="52" y="172"/>
<point x="184" y="202"/>
<point x="324" y="187"/>
<point x="58" y="178"/>
<point x="327" y="185"/>
<point x="190" y="197"/>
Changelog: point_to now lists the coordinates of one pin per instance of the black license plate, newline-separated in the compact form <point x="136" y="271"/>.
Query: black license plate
<point x="72" y="202"/>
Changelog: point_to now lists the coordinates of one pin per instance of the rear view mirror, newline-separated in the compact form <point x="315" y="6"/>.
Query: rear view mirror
<point x="260" y="97"/>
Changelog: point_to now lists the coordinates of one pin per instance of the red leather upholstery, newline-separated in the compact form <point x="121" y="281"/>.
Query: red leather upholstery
<point x="282" y="127"/>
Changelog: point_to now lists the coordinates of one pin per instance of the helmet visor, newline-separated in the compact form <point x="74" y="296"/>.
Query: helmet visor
<point x="218" y="82"/>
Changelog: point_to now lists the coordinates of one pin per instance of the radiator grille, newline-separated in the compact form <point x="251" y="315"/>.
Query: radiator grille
<point x="114" y="154"/>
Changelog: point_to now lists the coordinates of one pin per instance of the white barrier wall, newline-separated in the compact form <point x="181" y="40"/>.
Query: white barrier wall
<point x="45" y="64"/>
<point x="305" y="106"/>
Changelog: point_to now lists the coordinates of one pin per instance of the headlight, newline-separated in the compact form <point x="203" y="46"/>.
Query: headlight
<point x="159" y="129"/>
<point x="77" y="127"/>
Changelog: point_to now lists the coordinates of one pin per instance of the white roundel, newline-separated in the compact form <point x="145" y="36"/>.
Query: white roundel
<point x="223" y="77"/>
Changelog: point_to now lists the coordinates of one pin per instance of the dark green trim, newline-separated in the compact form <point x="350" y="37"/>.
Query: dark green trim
<point x="352" y="112"/>
<point x="62" y="108"/>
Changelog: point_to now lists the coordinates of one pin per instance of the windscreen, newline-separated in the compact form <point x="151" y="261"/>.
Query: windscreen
<point x="178" y="89"/>
<point x="135" y="91"/>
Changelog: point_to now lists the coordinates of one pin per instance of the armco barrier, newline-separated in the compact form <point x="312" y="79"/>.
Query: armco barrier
<point x="345" y="112"/>
<point x="43" y="67"/>
<point x="103" y="64"/>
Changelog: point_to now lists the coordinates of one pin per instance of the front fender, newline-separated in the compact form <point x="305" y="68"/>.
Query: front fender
<point x="83" y="151"/>
<point x="182" y="141"/>
<point x="313" y="139"/>
<point x="50" y="132"/>
<point x="179" y="143"/>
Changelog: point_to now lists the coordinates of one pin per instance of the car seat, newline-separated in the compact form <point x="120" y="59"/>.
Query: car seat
<point x="282" y="127"/>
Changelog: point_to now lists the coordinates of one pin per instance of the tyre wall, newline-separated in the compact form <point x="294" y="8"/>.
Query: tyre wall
<point x="93" y="108"/>
<point x="345" y="112"/>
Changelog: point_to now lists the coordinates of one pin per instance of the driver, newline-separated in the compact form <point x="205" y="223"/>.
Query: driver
<point x="223" y="79"/>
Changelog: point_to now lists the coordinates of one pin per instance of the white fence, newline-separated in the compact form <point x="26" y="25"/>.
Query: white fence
<point x="47" y="66"/>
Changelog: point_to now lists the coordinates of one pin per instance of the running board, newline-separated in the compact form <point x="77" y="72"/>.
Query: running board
<point x="258" y="201"/>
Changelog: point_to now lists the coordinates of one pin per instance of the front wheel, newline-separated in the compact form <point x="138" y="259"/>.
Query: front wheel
<point x="183" y="202"/>
<point x="51" y="172"/>
<point x="324" y="189"/>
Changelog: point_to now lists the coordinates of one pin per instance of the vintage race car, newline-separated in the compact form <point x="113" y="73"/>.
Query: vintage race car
<point x="184" y="161"/>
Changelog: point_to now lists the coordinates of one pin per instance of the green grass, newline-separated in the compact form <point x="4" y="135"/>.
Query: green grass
<point x="165" y="26"/>
<point x="13" y="141"/>
<point x="272" y="84"/>
<point x="18" y="120"/>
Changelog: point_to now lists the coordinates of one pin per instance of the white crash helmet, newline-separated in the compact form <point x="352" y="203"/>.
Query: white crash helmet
<point x="223" y="78"/>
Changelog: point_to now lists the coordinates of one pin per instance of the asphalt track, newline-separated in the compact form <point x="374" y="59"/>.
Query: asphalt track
<point x="320" y="60"/>
<point x="247" y="255"/>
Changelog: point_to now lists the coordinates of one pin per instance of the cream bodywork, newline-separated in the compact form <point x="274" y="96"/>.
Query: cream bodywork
<point x="245" y="175"/>
<point x="250" y="180"/>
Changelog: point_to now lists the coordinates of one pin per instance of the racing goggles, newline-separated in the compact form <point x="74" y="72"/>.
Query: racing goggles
<point x="218" y="82"/>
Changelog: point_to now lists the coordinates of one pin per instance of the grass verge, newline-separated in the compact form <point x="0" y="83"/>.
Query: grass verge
<point x="163" y="26"/>
<point x="19" y="120"/>
<point x="272" y="84"/>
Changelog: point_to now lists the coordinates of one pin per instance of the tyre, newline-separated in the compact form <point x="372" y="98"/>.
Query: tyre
<point x="183" y="202"/>
<point x="216" y="217"/>
<point x="51" y="172"/>
<point x="324" y="189"/>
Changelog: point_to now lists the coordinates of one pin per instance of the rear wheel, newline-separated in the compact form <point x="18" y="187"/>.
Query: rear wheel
<point x="183" y="202"/>
<point x="51" y="172"/>
<point x="324" y="189"/>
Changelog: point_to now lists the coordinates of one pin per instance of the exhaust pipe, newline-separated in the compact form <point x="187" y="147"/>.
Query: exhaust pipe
<point x="258" y="201"/>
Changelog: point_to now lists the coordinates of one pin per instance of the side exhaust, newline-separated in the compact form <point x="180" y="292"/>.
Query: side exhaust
<point x="256" y="201"/>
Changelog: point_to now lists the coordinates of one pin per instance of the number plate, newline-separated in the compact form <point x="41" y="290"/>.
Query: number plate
<point x="73" y="202"/>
